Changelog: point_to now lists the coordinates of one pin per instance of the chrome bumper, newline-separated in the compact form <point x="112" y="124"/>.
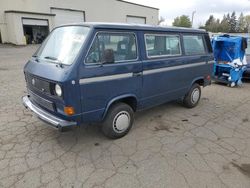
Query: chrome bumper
<point x="45" y="116"/>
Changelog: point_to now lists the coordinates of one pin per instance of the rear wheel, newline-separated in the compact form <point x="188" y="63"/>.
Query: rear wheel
<point x="192" y="98"/>
<point x="118" y="121"/>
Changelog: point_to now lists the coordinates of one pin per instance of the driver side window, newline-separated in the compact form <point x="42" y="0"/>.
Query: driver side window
<point x="112" y="48"/>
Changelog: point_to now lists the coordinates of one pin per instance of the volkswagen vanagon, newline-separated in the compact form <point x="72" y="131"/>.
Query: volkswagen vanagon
<point x="100" y="72"/>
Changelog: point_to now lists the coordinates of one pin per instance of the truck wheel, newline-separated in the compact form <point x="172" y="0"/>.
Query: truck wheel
<point x="118" y="121"/>
<point x="192" y="98"/>
<point x="232" y="84"/>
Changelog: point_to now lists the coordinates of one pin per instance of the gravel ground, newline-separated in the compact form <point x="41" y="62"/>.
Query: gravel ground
<point x="169" y="146"/>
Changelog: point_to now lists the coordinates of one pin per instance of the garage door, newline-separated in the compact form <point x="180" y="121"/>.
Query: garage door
<point x="38" y="22"/>
<point x="67" y="16"/>
<point x="136" y="20"/>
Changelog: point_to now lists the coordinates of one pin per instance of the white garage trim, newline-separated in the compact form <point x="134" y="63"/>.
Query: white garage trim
<point x="66" y="16"/>
<point x="32" y="21"/>
<point x="136" y="19"/>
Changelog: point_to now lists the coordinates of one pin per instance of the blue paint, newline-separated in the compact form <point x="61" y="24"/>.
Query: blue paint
<point x="91" y="101"/>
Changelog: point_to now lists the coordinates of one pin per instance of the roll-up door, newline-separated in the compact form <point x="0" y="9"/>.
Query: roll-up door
<point x="67" y="16"/>
<point x="38" y="22"/>
<point x="136" y="19"/>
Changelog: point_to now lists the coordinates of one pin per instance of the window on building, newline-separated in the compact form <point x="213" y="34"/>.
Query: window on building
<point x="162" y="45"/>
<point x="112" y="48"/>
<point x="193" y="44"/>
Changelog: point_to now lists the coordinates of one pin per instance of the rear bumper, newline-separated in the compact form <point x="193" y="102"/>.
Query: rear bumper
<point x="45" y="116"/>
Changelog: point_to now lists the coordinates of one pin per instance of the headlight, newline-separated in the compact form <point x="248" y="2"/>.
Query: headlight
<point x="58" y="90"/>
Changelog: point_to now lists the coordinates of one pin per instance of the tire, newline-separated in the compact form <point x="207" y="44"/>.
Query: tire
<point x="192" y="98"/>
<point x="232" y="84"/>
<point x="118" y="121"/>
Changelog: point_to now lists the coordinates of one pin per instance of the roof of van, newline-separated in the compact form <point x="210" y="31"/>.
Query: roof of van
<point x="144" y="27"/>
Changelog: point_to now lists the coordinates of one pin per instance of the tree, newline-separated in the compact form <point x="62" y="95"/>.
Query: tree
<point x="224" y="24"/>
<point x="182" y="21"/>
<point x="212" y="24"/>
<point x="202" y="27"/>
<point x="233" y="23"/>
<point x="247" y="20"/>
<point x="228" y="24"/>
<point x="241" y="24"/>
<point x="209" y="22"/>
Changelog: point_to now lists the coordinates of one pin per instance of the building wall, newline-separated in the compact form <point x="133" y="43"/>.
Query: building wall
<point x="95" y="11"/>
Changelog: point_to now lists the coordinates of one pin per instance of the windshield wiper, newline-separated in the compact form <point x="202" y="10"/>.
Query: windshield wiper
<point x="51" y="58"/>
<point x="36" y="58"/>
<point x="54" y="59"/>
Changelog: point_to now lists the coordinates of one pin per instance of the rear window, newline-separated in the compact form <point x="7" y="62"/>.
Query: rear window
<point x="193" y="44"/>
<point x="158" y="45"/>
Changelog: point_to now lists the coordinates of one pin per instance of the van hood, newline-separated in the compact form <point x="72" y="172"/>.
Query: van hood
<point x="47" y="70"/>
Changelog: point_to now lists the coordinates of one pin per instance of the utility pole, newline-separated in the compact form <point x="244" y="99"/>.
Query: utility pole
<point x="193" y="17"/>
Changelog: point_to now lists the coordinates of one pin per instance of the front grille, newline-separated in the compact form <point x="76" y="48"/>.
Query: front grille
<point x="34" y="83"/>
<point x="41" y="101"/>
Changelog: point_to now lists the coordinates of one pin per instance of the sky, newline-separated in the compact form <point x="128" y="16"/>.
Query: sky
<point x="169" y="9"/>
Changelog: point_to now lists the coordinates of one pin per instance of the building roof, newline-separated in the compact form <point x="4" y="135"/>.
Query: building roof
<point x="138" y="4"/>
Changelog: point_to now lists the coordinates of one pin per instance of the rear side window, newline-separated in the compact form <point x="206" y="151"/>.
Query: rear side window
<point x="193" y="44"/>
<point x="162" y="45"/>
<point x="112" y="48"/>
<point x="208" y="43"/>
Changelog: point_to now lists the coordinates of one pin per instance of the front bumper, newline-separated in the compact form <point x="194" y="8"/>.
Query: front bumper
<point x="47" y="117"/>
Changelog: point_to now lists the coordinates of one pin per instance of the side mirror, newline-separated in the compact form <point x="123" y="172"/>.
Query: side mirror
<point x="108" y="56"/>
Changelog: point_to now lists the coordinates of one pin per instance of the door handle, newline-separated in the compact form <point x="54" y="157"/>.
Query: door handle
<point x="136" y="74"/>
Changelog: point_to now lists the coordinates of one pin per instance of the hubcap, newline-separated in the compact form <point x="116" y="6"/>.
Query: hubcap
<point x="195" y="95"/>
<point x="121" y="122"/>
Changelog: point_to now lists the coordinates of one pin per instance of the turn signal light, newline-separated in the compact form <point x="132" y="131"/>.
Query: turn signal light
<point x="68" y="110"/>
<point x="208" y="77"/>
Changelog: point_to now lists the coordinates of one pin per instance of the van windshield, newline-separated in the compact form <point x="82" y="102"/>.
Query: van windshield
<point x="63" y="44"/>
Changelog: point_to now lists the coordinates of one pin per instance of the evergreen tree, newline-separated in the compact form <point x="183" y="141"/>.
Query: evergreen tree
<point x="247" y="27"/>
<point x="233" y="23"/>
<point x="241" y="24"/>
<point x="210" y="21"/>
<point x="224" y="24"/>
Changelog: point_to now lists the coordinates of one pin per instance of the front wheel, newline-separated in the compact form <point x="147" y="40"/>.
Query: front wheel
<point x="118" y="121"/>
<point x="192" y="98"/>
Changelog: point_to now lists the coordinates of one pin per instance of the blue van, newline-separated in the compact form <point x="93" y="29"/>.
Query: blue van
<point x="100" y="72"/>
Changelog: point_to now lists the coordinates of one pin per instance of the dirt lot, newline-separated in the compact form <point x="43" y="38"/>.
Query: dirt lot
<point x="169" y="146"/>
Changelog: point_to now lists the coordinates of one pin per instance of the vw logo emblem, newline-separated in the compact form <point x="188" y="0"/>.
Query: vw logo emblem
<point x="33" y="81"/>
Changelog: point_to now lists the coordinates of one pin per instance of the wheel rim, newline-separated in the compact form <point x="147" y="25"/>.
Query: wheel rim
<point x="121" y="122"/>
<point x="195" y="95"/>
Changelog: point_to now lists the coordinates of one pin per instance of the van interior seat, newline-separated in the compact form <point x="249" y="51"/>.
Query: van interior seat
<point x="122" y="50"/>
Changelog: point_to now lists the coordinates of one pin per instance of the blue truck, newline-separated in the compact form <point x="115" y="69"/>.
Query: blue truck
<point x="230" y="59"/>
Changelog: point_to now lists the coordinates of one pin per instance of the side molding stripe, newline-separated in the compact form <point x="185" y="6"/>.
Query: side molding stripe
<point x="152" y="71"/>
<point x="105" y="78"/>
<point x="145" y="72"/>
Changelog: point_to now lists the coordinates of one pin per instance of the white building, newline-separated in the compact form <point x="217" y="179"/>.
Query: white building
<point x="31" y="20"/>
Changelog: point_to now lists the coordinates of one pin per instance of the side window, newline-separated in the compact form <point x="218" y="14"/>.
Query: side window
<point x="193" y="44"/>
<point x="162" y="45"/>
<point x="112" y="48"/>
<point x="208" y="43"/>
